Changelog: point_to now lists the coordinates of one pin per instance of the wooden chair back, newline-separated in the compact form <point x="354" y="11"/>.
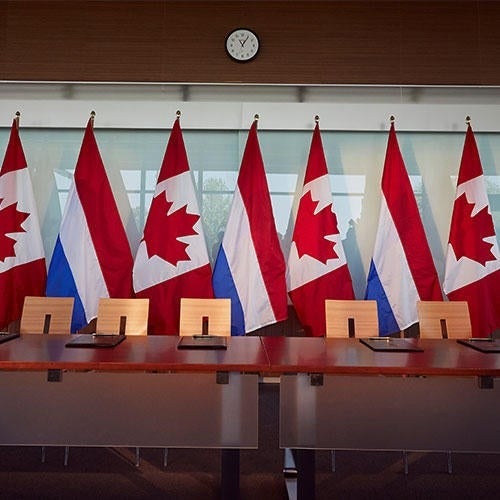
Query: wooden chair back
<point x="217" y="312"/>
<point x="444" y="319"/>
<point x="124" y="316"/>
<point x="47" y="315"/>
<point x="346" y="318"/>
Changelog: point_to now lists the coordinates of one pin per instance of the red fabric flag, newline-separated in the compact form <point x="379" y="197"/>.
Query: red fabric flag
<point x="172" y="259"/>
<point x="473" y="259"/>
<point x="92" y="256"/>
<point x="317" y="267"/>
<point x="402" y="270"/>
<point x="22" y="259"/>
<point x="250" y="267"/>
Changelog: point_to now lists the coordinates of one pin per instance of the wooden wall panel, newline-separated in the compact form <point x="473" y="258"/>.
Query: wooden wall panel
<point x="489" y="57"/>
<point x="440" y="43"/>
<point x="88" y="41"/>
<point x="310" y="42"/>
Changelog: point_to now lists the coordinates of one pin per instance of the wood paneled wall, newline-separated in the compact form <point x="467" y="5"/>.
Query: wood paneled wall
<point x="398" y="42"/>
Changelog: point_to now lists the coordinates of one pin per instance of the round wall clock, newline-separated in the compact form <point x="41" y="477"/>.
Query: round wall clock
<point x="242" y="45"/>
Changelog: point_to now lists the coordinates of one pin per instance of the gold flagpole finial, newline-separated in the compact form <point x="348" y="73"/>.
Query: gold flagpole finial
<point x="316" y="118"/>
<point x="256" y="117"/>
<point x="392" y="119"/>
<point x="178" y="113"/>
<point x="467" y="120"/>
<point x="17" y="118"/>
<point x="92" y="114"/>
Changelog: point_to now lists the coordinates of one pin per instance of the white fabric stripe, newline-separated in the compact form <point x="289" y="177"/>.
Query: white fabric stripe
<point x="305" y="269"/>
<point x="393" y="270"/>
<point x="147" y="271"/>
<point x="81" y="255"/>
<point x="466" y="271"/>
<point x="475" y="191"/>
<point x="245" y="269"/>
<point x="16" y="187"/>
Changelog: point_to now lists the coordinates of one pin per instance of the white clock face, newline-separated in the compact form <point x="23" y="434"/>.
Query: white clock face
<point x="242" y="44"/>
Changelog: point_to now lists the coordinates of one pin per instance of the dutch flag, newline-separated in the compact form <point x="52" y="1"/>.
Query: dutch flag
<point x="92" y="256"/>
<point x="402" y="271"/>
<point x="250" y="267"/>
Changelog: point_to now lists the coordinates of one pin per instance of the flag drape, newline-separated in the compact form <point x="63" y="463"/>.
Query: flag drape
<point x="402" y="270"/>
<point x="317" y="266"/>
<point x="250" y="267"/>
<point x="92" y="256"/>
<point x="473" y="259"/>
<point x="22" y="259"/>
<point x="172" y="259"/>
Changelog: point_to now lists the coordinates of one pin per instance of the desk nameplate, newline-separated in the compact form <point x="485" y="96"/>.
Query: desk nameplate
<point x="95" y="341"/>
<point x="483" y="345"/>
<point x="6" y="336"/>
<point x="202" y="342"/>
<point x="389" y="344"/>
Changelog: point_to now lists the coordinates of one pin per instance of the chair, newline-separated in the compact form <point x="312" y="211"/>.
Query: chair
<point x="217" y="312"/>
<point x="440" y="319"/>
<point x="47" y="315"/>
<point x="123" y="316"/>
<point x="351" y="318"/>
<point x="126" y="317"/>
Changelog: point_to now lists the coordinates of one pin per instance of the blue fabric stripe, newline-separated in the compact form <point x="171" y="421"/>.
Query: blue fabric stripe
<point x="224" y="287"/>
<point x="61" y="283"/>
<point x="375" y="291"/>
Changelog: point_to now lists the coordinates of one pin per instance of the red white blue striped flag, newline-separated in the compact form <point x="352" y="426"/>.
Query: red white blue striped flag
<point x="92" y="256"/>
<point x="250" y="267"/>
<point x="402" y="271"/>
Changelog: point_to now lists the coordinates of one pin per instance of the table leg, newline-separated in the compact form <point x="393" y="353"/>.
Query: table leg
<point x="305" y="461"/>
<point x="230" y="474"/>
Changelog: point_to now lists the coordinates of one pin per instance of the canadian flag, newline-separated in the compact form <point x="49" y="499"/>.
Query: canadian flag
<point x="317" y="266"/>
<point x="473" y="259"/>
<point x="172" y="258"/>
<point x="22" y="258"/>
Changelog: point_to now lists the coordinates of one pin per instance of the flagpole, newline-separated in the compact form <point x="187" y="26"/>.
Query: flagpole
<point x="316" y="118"/>
<point x="178" y="113"/>
<point x="17" y="118"/>
<point x="92" y="116"/>
<point x="392" y="119"/>
<point x="467" y="120"/>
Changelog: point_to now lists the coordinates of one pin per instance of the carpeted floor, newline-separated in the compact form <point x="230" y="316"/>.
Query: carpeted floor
<point x="107" y="473"/>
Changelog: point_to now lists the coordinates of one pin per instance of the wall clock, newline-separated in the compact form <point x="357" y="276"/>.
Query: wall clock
<point x="242" y="45"/>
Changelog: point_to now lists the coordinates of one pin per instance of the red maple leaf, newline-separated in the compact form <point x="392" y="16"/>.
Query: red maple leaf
<point x="311" y="230"/>
<point x="163" y="230"/>
<point x="466" y="238"/>
<point x="10" y="222"/>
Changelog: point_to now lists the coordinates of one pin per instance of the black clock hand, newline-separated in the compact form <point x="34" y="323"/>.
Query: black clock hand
<point x="244" y="41"/>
